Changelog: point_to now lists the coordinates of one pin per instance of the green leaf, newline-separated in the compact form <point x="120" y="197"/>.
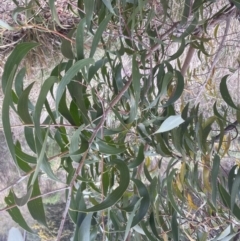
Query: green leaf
<point x="175" y="228"/>
<point x="109" y="6"/>
<point x="66" y="46"/>
<point x="130" y="219"/>
<point x="235" y="189"/>
<point x="69" y="76"/>
<point x="14" y="59"/>
<point x="84" y="230"/>
<point x="5" y="115"/>
<point x="23" y="200"/>
<point x="116" y="194"/>
<point x="16" y="214"/>
<point x="89" y="9"/>
<point x="145" y="202"/>
<point x="47" y="85"/>
<point x="214" y="176"/>
<point x="104" y="147"/>
<point x="178" y="89"/>
<point x="227" y="201"/>
<point x="35" y="206"/>
<point x="74" y="144"/>
<point x="19" y="81"/>
<point x="54" y="12"/>
<point x="225" y="94"/>
<point x="22" y="107"/>
<point x="186" y="11"/>
<point x="179" y="51"/>
<point x="139" y="159"/>
<point x="170" y="178"/>
<point x="40" y="159"/>
<point x="170" y="123"/>
<point x="80" y="39"/>
<point x="98" y="34"/>
<point x="136" y="77"/>
<point x="93" y="69"/>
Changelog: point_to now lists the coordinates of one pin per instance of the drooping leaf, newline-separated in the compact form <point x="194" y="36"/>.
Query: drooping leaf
<point x="69" y="76"/>
<point x="98" y="34"/>
<point x="14" y="59"/>
<point x="16" y="214"/>
<point x="139" y="159"/>
<point x="22" y="106"/>
<point x="145" y="202"/>
<point x="109" y="6"/>
<point x="80" y="39"/>
<point x="175" y="228"/>
<point x="84" y="232"/>
<point x="116" y="194"/>
<point x="35" y="206"/>
<point x="130" y="219"/>
<point x="225" y="93"/>
<point x="214" y="176"/>
<point x="54" y="12"/>
<point x="40" y="102"/>
<point x="5" y="115"/>
<point x="89" y="8"/>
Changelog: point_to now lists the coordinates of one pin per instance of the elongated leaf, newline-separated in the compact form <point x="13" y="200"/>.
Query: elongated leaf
<point x="170" y="123"/>
<point x="40" y="159"/>
<point x="145" y="202"/>
<point x="109" y="6"/>
<point x="35" y="206"/>
<point x="47" y="85"/>
<point x="89" y="8"/>
<point x="93" y="69"/>
<point x="139" y="159"/>
<point x="14" y="60"/>
<point x="225" y="94"/>
<point x="98" y="34"/>
<point x="178" y="90"/>
<point x="84" y="230"/>
<point x="113" y="197"/>
<point x="66" y="46"/>
<point x="235" y="189"/>
<point x="54" y="12"/>
<point x="22" y="107"/>
<point x="23" y="200"/>
<point x="130" y="219"/>
<point x="105" y="148"/>
<point x="5" y="116"/>
<point x="136" y="77"/>
<point x="69" y="76"/>
<point x="179" y="51"/>
<point x="16" y="214"/>
<point x="80" y="39"/>
<point x="19" y="81"/>
<point x="175" y="228"/>
<point x="227" y="201"/>
<point x="74" y="144"/>
<point x="214" y="176"/>
<point x="186" y="11"/>
<point x="170" y="191"/>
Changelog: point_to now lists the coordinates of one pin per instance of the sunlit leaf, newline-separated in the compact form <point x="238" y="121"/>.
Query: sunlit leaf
<point x="170" y="123"/>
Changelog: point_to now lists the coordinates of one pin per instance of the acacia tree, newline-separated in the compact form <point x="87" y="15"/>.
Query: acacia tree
<point x="119" y="113"/>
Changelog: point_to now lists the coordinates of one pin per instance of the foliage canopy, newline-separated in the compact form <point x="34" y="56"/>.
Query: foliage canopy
<point x="119" y="119"/>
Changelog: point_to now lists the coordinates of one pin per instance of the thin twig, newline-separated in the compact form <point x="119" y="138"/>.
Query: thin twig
<point x="215" y="59"/>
